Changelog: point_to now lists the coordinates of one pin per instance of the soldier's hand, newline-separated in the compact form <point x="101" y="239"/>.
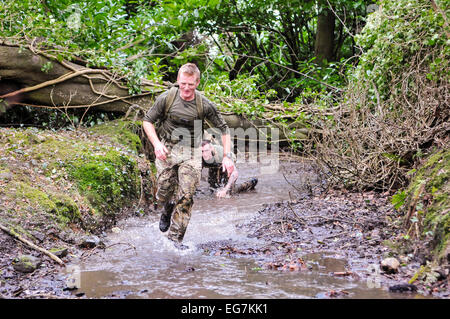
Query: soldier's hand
<point x="222" y="193"/>
<point x="161" y="151"/>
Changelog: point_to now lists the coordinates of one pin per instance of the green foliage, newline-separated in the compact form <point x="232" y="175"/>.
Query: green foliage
<point x="104" y="33"/>
<point x="398" y="199"/>
<point x="240" y="96"/>
<point x="427" y="197"/>
<point x="275" y="40"/>
<point x="403" y="34"/>
<point x="141" y="39"/>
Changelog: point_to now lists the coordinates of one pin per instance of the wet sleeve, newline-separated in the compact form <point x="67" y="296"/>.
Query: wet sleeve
<point x="157" y="110"/>
<point x="214" y="116"/>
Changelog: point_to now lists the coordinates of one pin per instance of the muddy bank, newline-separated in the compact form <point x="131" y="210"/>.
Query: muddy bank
<point x="362" y="229"/>
<point x="61" y="190"/>
<point x="298" y="235"/>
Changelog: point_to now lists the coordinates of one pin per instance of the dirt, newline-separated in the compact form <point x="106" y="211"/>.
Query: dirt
<point x="361" y="229"/>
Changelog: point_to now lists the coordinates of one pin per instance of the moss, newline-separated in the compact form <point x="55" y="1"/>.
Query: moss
<point x="59" y="206"/>
<point x="34" y="197"/>
<point x="66" y="208"/>
<point x="121" y="131"/>
<point x="68" y="177"/>
<point x="427" y="194"/>
<point x="109" y="181"/>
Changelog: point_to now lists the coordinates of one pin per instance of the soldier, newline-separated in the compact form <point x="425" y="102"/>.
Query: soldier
<point x="178" y="160"/>
<point x="217" y="176"/>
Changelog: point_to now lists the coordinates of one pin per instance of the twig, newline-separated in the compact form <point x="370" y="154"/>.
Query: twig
<point x="31" y="245"/>
<point x="62" y="78"/>
<point x="299" y="219"/>
<point x="335" y="235"/>
<point x="291" y="184"/>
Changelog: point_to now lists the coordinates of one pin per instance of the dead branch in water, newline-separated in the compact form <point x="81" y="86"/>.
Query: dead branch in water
<point x="31" y="245"/>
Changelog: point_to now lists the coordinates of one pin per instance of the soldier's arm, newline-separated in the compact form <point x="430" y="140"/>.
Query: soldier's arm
<point x="216" y="118"/>
<point x="160" y="150"/>
<point x="227" y="163"/>
<point x="231" y="181"/>
<point x="155" y="113"/>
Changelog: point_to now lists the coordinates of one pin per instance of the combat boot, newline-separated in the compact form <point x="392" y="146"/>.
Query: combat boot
<point x="166" y="215"/>
<point x="253" y="182"/>
<point x="246" y="186"/>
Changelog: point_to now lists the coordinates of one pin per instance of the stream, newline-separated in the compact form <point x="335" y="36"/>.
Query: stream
<point x="140" y="262"/>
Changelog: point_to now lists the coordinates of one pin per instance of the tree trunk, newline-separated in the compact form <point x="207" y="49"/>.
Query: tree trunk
<point x="325" y="36"/>
<point x="64" y="84"/>
<point x="70" y="85"/>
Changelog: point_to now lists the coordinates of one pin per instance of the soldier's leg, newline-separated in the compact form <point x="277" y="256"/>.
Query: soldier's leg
<point x="246" y="186"/>
<point x="166" y="182"/>
<point x="188" y="180"/>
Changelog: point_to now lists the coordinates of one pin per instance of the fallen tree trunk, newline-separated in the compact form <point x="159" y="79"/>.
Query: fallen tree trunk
<point x="38" y="80"/>
<point x="34" y="79"/>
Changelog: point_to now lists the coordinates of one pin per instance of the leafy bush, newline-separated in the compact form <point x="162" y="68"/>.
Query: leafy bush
<point x="396" y="104"/>
<point x="400" y="37"/>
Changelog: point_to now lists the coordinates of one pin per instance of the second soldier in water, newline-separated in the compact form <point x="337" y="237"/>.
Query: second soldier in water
<point x="217" y="176"/>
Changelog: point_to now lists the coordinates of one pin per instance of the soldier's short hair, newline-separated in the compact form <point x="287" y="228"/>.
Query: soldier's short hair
<point x="189" y="68"/>
<point x="204" y="142"/>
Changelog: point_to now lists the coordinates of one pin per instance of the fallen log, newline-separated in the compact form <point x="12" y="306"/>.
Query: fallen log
<point x="63" y="84"/>
<point x="24" y="80"/>
<point x="31" y="245"/>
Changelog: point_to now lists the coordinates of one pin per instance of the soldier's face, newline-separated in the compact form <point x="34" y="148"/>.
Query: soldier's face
<point x="188" y="83"/>
<point x="207" y="152"/>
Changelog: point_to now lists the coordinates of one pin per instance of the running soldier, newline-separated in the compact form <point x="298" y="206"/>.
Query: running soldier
<point x="178" y="159"/>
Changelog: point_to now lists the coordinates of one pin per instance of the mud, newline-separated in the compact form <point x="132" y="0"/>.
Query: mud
<point x="301" y="235"/>
<point x="343" y="234"/>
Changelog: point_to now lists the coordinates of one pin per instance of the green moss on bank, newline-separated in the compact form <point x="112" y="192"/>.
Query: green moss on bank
<point x="109" y="181"/>
<point x="426" y="202"/>
<point x="68" y="178"/>
<point x="122" y="132"/>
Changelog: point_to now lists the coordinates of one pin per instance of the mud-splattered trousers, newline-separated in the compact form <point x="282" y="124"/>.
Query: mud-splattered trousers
<point x="177" y="179"/>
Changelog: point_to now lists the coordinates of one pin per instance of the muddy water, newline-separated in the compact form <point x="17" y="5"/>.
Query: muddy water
<point x="140" y="262"/>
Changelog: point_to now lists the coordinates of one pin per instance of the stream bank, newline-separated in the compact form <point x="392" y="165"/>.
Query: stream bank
<point x="278" y="241"/>
<point x="289" y="228"/>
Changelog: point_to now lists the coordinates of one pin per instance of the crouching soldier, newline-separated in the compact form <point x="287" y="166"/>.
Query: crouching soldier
<point x="217" y="176"/>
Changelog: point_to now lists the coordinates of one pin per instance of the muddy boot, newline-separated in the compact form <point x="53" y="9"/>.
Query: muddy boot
<point x="246" y="186"/>
<point x="166" y="214"/>
<point x="180" y="246"/>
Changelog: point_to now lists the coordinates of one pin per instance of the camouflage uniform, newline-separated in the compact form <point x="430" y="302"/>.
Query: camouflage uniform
<point x="179" y="175"/>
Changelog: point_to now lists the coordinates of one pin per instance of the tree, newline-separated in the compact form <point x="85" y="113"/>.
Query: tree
<point x="278" y="39"/>
<point x="324" y="46"/>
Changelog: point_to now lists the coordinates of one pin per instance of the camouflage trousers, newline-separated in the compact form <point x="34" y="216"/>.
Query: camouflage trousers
<point x="177" y="180"/>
